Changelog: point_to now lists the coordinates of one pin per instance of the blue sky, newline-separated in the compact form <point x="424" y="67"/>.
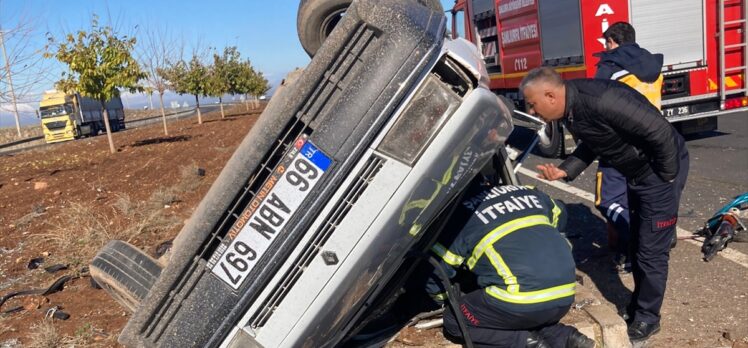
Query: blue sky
<point x="263" y="31"/>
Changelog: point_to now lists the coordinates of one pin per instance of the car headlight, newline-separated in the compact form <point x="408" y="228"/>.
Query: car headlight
<point x="429" y="108"/>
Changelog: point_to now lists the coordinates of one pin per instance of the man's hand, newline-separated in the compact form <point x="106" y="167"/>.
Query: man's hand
<point x="550" y="172"/>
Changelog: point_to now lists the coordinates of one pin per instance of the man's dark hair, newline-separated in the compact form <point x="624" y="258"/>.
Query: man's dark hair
<point x="544" y="74"/>
<point x="621" y="33"/>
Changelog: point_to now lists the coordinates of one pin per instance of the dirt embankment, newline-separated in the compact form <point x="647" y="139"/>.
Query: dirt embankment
<point x="60" y="204"/>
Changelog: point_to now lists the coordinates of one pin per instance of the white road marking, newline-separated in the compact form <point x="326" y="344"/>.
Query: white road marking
<point x="730" y="254"/>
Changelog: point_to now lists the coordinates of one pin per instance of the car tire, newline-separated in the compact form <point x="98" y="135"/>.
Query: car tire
<point x="556" y="147"/>
<point x="316" y="19"/>
<point x="125" y="272"/>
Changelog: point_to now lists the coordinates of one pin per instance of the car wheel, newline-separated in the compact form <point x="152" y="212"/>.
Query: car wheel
<point x="125" y="272"/>
<point x="316" y="19"/>
<point x="556" y="145"/>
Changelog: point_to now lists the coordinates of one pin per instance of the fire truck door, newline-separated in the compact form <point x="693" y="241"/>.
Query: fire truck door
<point x="674" y="28"/>
<point x="560" y="32"/>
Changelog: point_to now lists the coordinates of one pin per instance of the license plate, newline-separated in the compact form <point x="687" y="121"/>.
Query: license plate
<point x="268" y="213"/>
<point x="676" y="111"/>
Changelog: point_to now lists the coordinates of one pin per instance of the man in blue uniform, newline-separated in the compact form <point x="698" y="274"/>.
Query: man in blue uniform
<point x="508" y="238"/>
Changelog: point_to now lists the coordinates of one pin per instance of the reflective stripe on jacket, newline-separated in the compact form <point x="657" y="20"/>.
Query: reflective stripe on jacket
<point x="652" y="91"/>
<point x="507" y="237"/>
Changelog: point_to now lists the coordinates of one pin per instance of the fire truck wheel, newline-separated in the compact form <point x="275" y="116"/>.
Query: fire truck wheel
<point x="556" y="146"/>
<point x="125" y="272"/>
<point x="316" y="19"/>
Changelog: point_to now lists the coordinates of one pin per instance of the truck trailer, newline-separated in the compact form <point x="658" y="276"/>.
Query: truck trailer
<point x="68" y="116"/>
<point x="703" y="42"/>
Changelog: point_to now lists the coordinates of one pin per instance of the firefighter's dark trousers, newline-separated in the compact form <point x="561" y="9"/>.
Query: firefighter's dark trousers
<point x="611" y="199"/>
<point x="654" y="208"/>
<point x="490" y="326"/>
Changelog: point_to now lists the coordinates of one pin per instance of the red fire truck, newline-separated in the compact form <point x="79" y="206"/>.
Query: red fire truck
<point x="703" y="41"/>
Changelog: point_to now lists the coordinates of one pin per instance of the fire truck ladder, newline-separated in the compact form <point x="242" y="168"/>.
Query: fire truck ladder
<point x="741" y="25"/>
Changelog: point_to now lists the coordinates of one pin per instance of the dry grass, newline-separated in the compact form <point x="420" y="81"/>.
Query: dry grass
<point x="190" y="177"/>
<point x="81" y="230"/>
<point x="10" y="134"/>
<point x="4" y="327"/>
<point x="25" y="221"/>
<point x="45" y="335"/>
<point x="142" y="218"/>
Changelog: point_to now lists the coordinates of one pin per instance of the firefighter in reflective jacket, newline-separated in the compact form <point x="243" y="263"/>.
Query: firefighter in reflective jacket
<point x="508" y="238"/>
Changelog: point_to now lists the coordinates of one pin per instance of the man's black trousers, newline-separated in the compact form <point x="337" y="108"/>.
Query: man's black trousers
<point x="490" y="326"/>
<point x="654" y="209"/>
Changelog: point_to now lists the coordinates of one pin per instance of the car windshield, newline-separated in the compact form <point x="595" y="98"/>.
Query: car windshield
<point x="55" y="110"/>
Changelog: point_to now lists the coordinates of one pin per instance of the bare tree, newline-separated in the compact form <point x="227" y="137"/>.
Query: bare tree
<point x="156" y="52"/>
<point x="23" y="69"/>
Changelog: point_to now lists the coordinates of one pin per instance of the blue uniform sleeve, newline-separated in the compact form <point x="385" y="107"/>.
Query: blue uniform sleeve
<point x="605" y="70"/>
<point x="450" y="258"/>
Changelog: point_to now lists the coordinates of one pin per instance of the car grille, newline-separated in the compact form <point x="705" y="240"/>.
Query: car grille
<point x="315" y="244"/>
<point x="56" y="125"/>
<point x="338" y="75"/>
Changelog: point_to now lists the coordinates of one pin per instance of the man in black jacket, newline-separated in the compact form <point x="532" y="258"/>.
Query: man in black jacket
<point x="623" y="60"/>
<point x="618" y="124"/>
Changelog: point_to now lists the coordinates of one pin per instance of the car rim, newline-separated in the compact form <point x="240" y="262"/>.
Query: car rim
<point x="330" y="22"/>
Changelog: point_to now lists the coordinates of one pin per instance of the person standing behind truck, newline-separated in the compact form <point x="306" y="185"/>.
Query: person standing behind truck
<point x="623" y="60"/>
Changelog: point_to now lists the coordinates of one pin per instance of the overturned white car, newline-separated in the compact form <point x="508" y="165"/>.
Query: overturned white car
<point x="311" y="223"/>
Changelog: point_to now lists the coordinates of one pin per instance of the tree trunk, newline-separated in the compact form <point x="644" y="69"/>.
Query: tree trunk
<point x="150" y="101"/>
<point x="163" y="114"/>
<point x="10" y="82"/>
<point x="246" y="102"/>
<point x="105" y="114"/>
<point x="220" y="101"/>
<point x="197" y="107"/>
<point x="256" y="102"/>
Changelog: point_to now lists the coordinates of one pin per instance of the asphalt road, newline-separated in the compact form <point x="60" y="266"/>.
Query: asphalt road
<point x="705" y="302"/>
